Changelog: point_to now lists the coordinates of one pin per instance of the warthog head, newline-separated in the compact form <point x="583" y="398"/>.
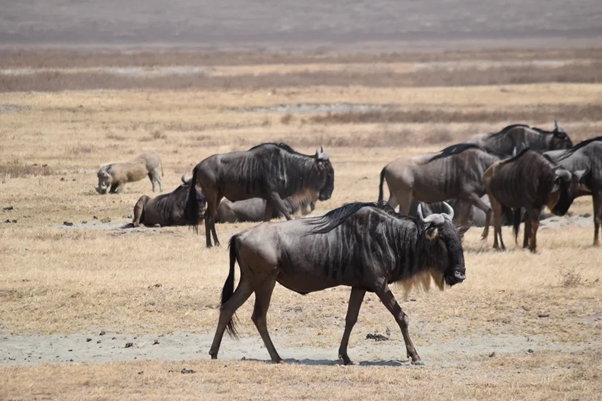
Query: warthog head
<point x="560" y="139"/>
<point x="566" y="186"/>
<point x="326" y="173"/>
<point x="439" y="227"/>
<point x="104" y="180"/>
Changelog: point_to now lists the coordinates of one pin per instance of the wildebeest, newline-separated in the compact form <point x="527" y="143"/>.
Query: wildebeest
<point x="586" y="155"/>
<point x="167" y="209"/>
<point x="254" y="209"/>
<point x="454" y="173"/>
<point x="271" y="171"/>
<point x="361" y="245"/>
<point x="516" y="137"/>
<point x="112" y="177"/>
<point x="529" y="181"/>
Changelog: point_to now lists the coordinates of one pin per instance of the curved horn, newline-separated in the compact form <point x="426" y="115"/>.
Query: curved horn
<point x="184" y="178"/>
<point x="450" y="211"/>
<point x="435" y="219"/>
<point x="556" y="125"/>
<point x="564" y="174"/>
<point x="420" y="216"/>
<point x="321" y="149"/>
<point x="317" y="152"/>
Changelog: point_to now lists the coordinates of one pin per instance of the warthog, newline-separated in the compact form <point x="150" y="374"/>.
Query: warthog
<point x="361" y="245"/>
<point x="515" y="138"/>
<point x="112" y="177"/>
<point x="271" y="171"/>
<point x="529" y="181"/>
<point x="254" y="209"/>
<point x="586" y="155"/>
<point x="167" y="209"/>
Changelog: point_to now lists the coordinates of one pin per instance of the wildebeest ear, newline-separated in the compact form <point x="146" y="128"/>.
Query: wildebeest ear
<point x="432" y="233"/>
<point x="581" y="174"/>
<point x="556" y="186"/>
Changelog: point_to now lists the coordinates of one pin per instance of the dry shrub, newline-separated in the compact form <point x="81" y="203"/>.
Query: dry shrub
<point x="16" y="170"/>
<point x="80" y="149"/>
<point x="156" y="134"/>
<point x="570" y="278"/>
<point x="115" y="137"/>
<point x="286" y="119"/>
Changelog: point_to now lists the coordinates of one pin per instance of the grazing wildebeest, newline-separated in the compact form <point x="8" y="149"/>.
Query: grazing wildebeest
<point x="167" y="209"/>
<point x="253" y="210"/>
<point x="361" y="245"/>
<point x="515" y="138"/>
<point x="529" y="181"/>
<point x="454" y="173"/>
<point x="112" y="177"/>
<point x="271" y="171"/>
<point x="586" y="155"/>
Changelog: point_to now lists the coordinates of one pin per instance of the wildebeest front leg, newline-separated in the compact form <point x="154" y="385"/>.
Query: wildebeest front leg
<point x="353" y="310"/>
<point x="277" y="202"/>
<point x="478" y="202"/>
<point x="496" y="208"/>
<point x="527" y="233"/>
<point x="597" y="198"/>
<point x="533" y="219"/>
<point x="213" y="200"/>
<point x="263" y="295"/>
<point x="387" y="298"/>
<point x="139" y="210"/>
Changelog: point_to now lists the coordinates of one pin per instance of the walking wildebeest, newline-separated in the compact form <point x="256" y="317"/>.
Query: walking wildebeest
<point x="167" y="209"/>
<point x="271" y="171"/>
<point x="515" y="138"/>
<point x="361" y="245"/>
<point x="586" y="155"/>
<point x="529" y="181"/>
<point x="454" y="173"/>
<point x="254" y="209"/>
<point x="112" y="177"/>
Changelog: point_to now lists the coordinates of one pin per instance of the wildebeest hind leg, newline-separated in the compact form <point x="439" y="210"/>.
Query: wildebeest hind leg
<point x="241" y="294"/>
<point x="139" y="211"/>
<point x="263" y="295"/>
<point x="387" y="298"/>
<point x="277" y="202"/>
<point x="597" y="198"/>
<point x="527" y="233"/>
<point x="353" y="310"/>
<point x="212" y="202"/>
<point x="475" y="200"/>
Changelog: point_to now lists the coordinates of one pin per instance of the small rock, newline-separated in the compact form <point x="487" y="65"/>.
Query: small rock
<point x="84" y="221"/>
<point x="376" y="337"/>
<point x="106" y="220"/>
<point x="98" y="342"/>
<point x="530" y="351"/>
<point x="586" y="215"/>
<point x="156" y="342"/>
<point x="187" y="371"/>
<point x="70" y="350"/>
<point x="113" y="338"/>
<point x="62" y="178"/>
<point x="129" y="345"/>
<point x="102" y="333"/>
<point x="141" y="372"/>
<point x="94" y="218"/>
<point x="543" y="314"/>
<point x="88" y="340"/>
<point x="67" y="223"/>
<point x="492" y="355"/>
<point x="7" y="208"/>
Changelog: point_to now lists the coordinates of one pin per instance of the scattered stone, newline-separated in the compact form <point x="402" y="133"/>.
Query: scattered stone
<point x="543" y="314"/>
<point x="102" y="333"/>
<point x="84" y="221"/>
<point x="7" y="208"/>
<point x="492" y="355"/>
<point x="88" y="340"/>
<point x="141" y="372"/>
<point x="586" y="215"/>
<point x="530" y="351"/>
<point x="94" y="218"/>
<point x="10" y="221"/>
<point x="70" y="350"/>
<point x="129" y="345"/>
<point x="376" y="337"/>
<point x="67" y="223"/>
<point x="185" y="371"/>
<point x="114" y="338"/>
<point x="98" y="342"/>
<point x="106" y="220"/>
<point x="158" y="285"/>
<point x="156" y="342"/>
<point x="62" y="178"/>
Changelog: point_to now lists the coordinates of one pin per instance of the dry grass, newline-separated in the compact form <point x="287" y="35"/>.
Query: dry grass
<point x="89" y="277"/>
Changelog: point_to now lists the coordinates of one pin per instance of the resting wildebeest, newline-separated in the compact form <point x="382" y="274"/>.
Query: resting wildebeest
<point x="112" y="177"/>
<point x="361" y="245"/>
<point x="254" y="209"/>
<point x="515" y="138"/>
<point x="454" y="173"/>
<point x="167" y="209"/>
<point x="271" y="171"/>
<point x="529" y="181"/>
<point x="586" y="155"/>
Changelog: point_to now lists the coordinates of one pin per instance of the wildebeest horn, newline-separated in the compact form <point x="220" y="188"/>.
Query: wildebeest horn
<point x="321" y="149"/>
<point x="564" y="174"/>
<point x="435" y="219"/>
<point x="556" y="125"/>
<point x="450" y="211"/>
<point x="184" y="178"/>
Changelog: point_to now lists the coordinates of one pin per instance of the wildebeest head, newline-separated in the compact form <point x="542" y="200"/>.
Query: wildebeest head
<point x="104" y="179"/>
<point x="560" y="139"/>
<point x="439" y="228"/>
<point x="566" y="186"/>
<point x="200" y="197"/>
<point x="326" y="173"/>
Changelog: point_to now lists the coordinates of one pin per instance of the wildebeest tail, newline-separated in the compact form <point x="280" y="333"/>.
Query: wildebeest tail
<point x="380" y="187"/>
<point x="228" y="289"/>
<point x="516" y="218"/>
<point x="192" y="204"/>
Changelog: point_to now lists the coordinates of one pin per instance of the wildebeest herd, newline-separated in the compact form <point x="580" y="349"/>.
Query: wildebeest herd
<point x="512" y="174"/>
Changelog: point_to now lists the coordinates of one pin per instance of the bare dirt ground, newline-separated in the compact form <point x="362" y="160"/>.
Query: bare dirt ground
<point x="522" y="326"/>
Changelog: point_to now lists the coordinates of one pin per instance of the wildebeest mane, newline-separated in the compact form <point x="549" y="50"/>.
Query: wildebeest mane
<point x="454" y="150"/>
<point x="578" y="146"/>
<point x="508" y="128"/>
<point x="336" y="217"/>
<point x="518" y="156"/>
<point x="280" y="145"/>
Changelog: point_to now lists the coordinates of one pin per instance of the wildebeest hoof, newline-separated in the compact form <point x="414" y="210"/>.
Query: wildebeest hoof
<point x="418" y="363"/>
<point x="157" y="226"/>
